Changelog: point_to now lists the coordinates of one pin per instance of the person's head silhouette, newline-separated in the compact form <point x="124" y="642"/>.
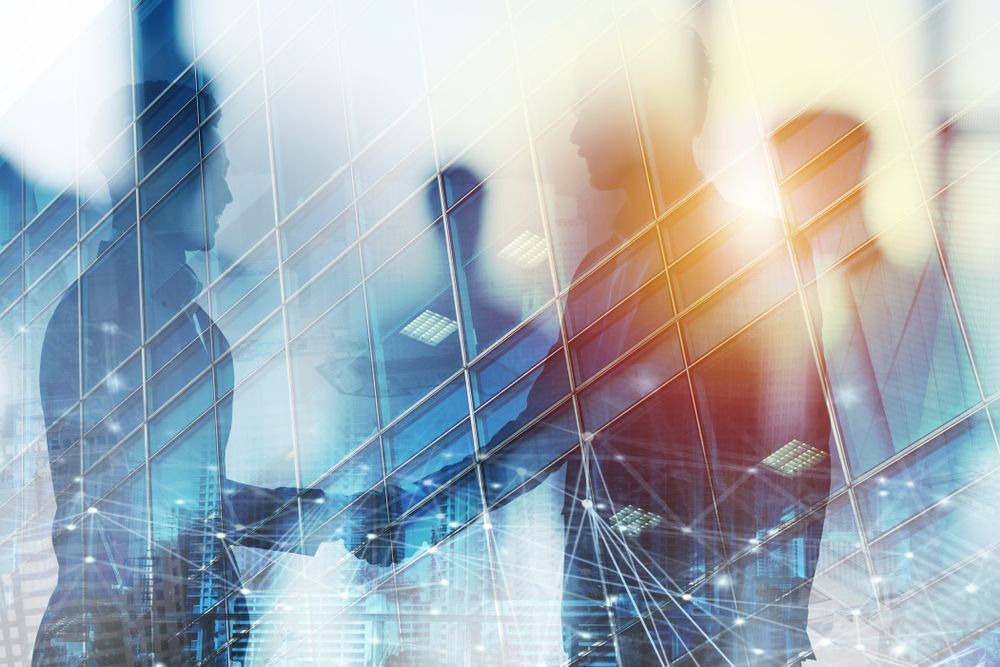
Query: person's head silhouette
<point x="173" y="234"/>
<point x="669" y="84"/>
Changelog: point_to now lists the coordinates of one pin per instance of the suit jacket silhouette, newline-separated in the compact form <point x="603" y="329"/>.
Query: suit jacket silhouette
<point x="650" y="512"/>
<point x="145" y="565"/>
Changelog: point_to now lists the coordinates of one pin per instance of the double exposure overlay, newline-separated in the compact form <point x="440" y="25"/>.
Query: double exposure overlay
<point x="506" y="332"/>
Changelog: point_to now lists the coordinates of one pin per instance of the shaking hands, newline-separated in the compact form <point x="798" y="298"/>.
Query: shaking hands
<point x="365" y="525"/>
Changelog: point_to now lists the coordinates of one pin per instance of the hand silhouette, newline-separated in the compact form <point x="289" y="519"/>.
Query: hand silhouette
<point x="366" y="529"/>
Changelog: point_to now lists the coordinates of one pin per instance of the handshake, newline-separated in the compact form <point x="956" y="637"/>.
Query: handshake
<point x="369" y="525"/>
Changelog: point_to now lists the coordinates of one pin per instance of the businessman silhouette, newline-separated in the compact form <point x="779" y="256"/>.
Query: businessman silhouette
<point x="143" y="529"/>
<point x="660" y="500"/>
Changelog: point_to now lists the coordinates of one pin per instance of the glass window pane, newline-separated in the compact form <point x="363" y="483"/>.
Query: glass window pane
<point x="624" y="327"/>
<point x="405" y="223"/>
<point x="330" y="284"/>
<point x="330" y="207"/>
<point x="333" y="387"/>
<point x="11" y="202"/>
<point x="953" y="459"/>
<point x="187" y="555"/>
<point x="501" y="254"/>
<point x="257" y="424"/>
<point x="888" y="324"/>
<point x="584" y="224"/>
<point x="638" y="374"/>
<point x="529" y="454"/>
<point x="310" y="137"/>
<point x="238" y="203"/>
<point x="110" y="306"/>
<point x="440" y="516"/>
<point x="738" y="304"/>
<point x="414" y="329"/>
<point x="453" y="579"/>
<point x="766" y="424"/>
<point x="724" y="254"/>
<point x="158" y="37"/>
<point x="433" y="468"/>
<point x="527" y="398"/>
<point x="971" y="244"/>
<point x="393" y="58"/>
<point x="515" y="356"/>
<point x="612" y="283"/>
<point x="426" y="423"/>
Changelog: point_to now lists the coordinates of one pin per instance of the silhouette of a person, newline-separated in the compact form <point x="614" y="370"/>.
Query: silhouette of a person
<point x="143" y="530"/>
<point x="658" y="501"/>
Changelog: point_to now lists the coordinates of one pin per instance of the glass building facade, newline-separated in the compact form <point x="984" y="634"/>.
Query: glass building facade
<point x="503" y="333"/>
